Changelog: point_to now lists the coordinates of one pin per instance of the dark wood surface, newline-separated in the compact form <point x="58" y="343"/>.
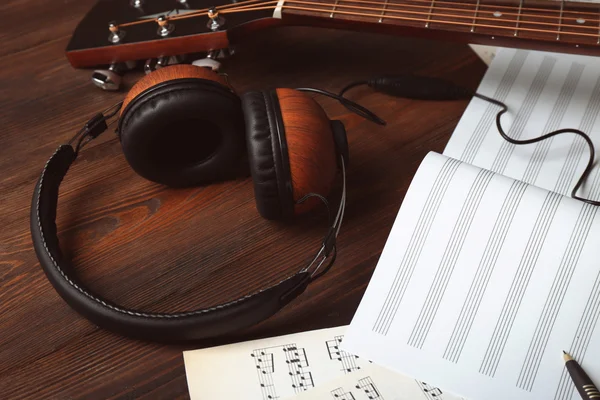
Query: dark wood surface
<point x="148" y="246"/>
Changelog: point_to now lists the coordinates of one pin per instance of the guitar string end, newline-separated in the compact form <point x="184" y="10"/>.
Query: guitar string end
<point x="116" y="34"/>
<point x="164" y="26"/>
<point x="215" y="20"/>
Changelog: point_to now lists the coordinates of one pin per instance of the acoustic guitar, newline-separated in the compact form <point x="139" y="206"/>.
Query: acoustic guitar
<point x="118" y="31"/>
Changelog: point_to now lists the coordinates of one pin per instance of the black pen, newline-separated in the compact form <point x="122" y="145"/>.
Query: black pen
<point x="582" y="381"/>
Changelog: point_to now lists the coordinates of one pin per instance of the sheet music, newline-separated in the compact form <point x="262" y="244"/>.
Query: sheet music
<point x="483" y="282"/>
<point x="272" y="368"/>
<point x="375" y="383"/>
<point x="544" y="92"/>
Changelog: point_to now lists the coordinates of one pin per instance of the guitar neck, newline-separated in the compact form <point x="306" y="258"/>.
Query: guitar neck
<point x="543" y="25"/>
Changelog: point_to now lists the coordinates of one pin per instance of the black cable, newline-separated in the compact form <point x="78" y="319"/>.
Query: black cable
<point x="429" y="88"/>
<point x="323" y="200"/>
<point x="589" y="166"/>
<point x="328" y="266"/>
<point x="94" y="127"/>
<point x="352" y="86"/>
<point x="349" y="104"/>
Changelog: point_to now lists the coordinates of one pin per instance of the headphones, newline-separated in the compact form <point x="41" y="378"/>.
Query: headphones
<point x="184" y="125"/>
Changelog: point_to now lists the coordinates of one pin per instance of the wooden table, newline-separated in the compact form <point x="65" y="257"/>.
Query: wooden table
<point x="148" y="246"/>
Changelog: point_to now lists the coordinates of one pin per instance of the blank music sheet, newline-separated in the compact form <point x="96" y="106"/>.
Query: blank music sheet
<point x="482" y="283"/>
<point x="543" y="92"/>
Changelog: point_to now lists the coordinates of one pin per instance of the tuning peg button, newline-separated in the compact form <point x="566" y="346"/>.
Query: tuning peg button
<point x="108" y="79"/>
<point x="207" y="63"/>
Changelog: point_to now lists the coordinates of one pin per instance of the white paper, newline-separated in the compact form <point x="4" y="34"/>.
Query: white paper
<point x="543" y="92"/>
<point x="272" y="368"/>
<point x="486" y="53"/>
<point x="482" y="283"/>
<point x="375" y="383"/>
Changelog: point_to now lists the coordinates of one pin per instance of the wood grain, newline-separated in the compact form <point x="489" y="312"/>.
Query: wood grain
<point x="311" y="148"/>
<point x="147" y="246"/>
<point x="168" y="73"/>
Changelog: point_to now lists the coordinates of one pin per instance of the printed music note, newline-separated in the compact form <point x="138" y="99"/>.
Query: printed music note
<point x="297" y="362"/>
<point x="264" y="361"/>
<point x="305" y="366"/>
<point x="265" y="366"/>
<point x="431" y="392"/>
<point x="368" y="386"/>
<point x="340" y="394"/>
<point x="348" y="360"/>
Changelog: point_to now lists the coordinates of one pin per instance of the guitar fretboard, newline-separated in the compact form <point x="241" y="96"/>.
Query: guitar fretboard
<point x="559" y="22"/>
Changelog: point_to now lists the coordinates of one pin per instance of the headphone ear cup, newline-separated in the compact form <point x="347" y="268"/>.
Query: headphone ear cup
<point x="182" y="126"/>
<point x="263" y="148"/>
<point x="291" y="151"/>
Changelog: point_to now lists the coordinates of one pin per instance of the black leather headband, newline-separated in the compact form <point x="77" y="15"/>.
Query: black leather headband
<point x="184" y="326"/>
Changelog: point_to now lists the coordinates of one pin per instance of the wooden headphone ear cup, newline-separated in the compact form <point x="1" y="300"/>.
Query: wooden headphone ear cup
<point x="169" y="73"/>
<point x="311" y="147"/>
<point x="183" y="132"/>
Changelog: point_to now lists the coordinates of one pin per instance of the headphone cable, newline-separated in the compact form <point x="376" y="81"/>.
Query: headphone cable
<point x="349" y="104"/>
<point x="435" y="89"/>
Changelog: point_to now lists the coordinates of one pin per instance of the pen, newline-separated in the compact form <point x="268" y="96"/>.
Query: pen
<point x="582" y="381"/>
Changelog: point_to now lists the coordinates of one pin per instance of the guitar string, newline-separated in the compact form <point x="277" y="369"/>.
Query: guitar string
<point x="428" y="14"/>
<point x="433" y="14"/>
<point x="197" y="13"/>
<point x="498" y="7"/>
<point x="471" y="10"/>
<point x="468" y="25"/>
<point x="406" y="4"/>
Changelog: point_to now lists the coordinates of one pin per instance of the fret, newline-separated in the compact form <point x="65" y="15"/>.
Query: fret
<point x="562" y="23"/>
<point x="560" y="18"/>
<point x="383" y="11"/>
<point x="496" y="20"/>
<point x="475" y="17"/>
<point x="333" y="9"/>
<point x="429" y="14"/>
<point x="518" y="18"/>
<point x="578" y="19"/>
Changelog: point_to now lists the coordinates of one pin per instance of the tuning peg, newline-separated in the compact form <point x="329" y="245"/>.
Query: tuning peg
<point x="207" y="63"/>
<point x="156" y="63"/>
<point x="164" y="26"/>
<point x="215" y="21"/>
<point x="110" y="79"/>
<point x="107" y="79"/>
<point x="116" y="34"/>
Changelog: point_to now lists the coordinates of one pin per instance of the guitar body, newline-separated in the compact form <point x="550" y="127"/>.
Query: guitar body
<point x="540" y="25"/>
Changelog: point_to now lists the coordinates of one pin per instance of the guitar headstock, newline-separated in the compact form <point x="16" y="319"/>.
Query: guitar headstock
<point x="121" y="31"/>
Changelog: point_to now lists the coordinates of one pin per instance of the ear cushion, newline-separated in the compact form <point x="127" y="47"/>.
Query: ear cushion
<point x="267" y="155"/>
<point x="183" y="132"/>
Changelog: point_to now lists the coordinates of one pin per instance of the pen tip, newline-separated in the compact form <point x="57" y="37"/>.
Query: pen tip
<point x="567" y="356"/>
<point x="564" y="352"/>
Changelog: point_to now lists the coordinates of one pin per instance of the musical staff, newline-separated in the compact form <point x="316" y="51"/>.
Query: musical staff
<point x="340" y="394"/>
<point x="368" y="386"/>
<point x="347" y="360"/>
<point x="523" y="270"/>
